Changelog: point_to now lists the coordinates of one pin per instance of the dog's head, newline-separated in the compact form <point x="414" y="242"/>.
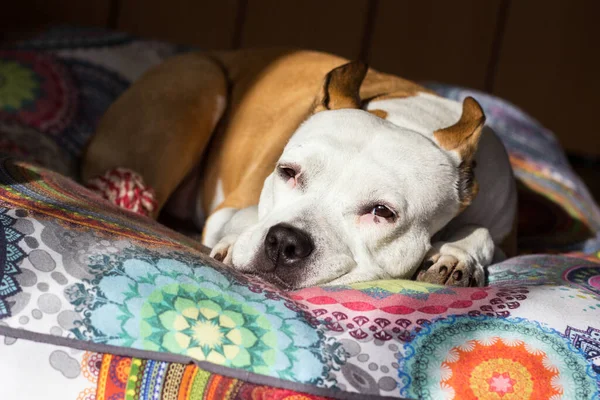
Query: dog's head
<point x="354" y="197"/>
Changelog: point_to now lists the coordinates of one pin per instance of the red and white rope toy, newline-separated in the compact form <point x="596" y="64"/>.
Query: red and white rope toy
<point x="125" y="189"/>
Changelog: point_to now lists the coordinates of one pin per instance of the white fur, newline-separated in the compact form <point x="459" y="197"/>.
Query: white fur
<point x="218" y="197"/>
<point x="215" y="224"/>
<point x="351" y="159"/>
<point x="496" y="203"/>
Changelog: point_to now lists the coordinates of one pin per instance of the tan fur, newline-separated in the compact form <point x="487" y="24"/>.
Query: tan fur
<point x="341" y="88"/>
<point x="160" y="125"/>
<point x="273" y="92"/>
<point x="163" y="124"/>
<point x="380" y="113"/>
<point x="468" y="187"/>
<point x="463" y="137"/>
<point x="381" y="86"/>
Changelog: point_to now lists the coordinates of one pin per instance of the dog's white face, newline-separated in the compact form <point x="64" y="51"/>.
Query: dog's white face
<point x="353" y="198"/>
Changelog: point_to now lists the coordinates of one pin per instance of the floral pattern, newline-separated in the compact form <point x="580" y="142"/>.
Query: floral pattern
<point x="588" y="342"/>
<point x="18" y="86"/>
<point x="496" y="368"/>
<point x="385" y="288"/>
<point x="96" y="376"/>
<point x="81" y="272"/>
<point x="172" y="303"/>
<point x="10" y="258"/>
<point x="480" y="357"/>
<point x="586" y="277"/>
<point x="36" y="90"/>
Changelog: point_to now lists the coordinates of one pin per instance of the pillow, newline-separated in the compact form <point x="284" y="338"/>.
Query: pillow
<point x="97" y="302"/>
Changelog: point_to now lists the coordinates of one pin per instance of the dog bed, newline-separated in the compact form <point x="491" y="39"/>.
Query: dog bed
<point x="99" y="303"/>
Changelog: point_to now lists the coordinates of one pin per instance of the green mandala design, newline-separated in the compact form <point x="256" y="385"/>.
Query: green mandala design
<point x="208" y="325"/>
<point x="384" y="288"/>
<point x="18" y="85"/>
<point x="169" y="304"/>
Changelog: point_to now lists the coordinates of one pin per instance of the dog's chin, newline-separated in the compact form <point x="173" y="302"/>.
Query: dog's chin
<point x="273" y="279"/>
<point x="289" y="281"/>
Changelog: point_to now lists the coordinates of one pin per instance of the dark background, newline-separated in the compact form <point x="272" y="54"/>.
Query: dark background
<point x="539" y="54"/>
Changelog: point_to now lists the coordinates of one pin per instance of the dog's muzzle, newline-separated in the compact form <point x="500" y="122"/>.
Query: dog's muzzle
<point x="287" y="247"/>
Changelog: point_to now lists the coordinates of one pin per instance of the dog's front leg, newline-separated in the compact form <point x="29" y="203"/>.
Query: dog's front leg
<point x="229" y="231"/>
<point x="460" y="259"/>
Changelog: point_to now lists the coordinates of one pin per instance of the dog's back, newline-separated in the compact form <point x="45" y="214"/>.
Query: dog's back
<point x="271" y="93"/>
<point x="164" y="123"/>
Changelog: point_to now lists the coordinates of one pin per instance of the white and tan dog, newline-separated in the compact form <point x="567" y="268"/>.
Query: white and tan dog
<point x="320" y="171"/>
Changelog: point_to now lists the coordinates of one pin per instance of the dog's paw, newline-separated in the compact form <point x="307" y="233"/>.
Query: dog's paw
<point x="451" y="270"/>
<point x="223" y="249"/>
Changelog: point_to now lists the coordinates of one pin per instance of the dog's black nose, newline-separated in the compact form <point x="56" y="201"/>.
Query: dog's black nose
<point x="287" y="246"/>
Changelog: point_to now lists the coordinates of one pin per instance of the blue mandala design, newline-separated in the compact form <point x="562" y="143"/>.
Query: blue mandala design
<point x="10" y="258"/>
<point x="173" y="303"/>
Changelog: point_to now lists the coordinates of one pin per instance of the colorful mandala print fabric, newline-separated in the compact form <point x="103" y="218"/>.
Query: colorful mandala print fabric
<point x="94" y="376"/>
<point x="99" y="303"/>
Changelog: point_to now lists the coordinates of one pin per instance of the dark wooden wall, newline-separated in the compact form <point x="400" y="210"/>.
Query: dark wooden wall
<point x="539" y="54"/>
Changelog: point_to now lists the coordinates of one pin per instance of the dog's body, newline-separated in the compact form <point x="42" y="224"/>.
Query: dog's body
<point x="353" y="196"/>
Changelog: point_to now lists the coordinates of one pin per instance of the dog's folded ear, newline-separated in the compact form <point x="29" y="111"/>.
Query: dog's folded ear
<point x="341" y="87"/>
<point x="463" y="136"/>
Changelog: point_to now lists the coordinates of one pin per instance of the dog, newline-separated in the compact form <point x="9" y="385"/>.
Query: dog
<point x="307" y="169"/>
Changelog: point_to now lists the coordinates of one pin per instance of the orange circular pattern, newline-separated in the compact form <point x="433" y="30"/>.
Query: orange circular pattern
<point x="499" y="371"/>
<point x="512" y="382"/>
<point x="123" y="369"/>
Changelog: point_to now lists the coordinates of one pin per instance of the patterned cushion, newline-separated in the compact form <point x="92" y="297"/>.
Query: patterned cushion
<point x="99" y="303"/>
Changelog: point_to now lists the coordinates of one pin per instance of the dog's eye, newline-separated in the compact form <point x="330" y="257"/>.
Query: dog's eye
<point x="287" y="172"/>
<point x="382" y="211"/>
<point x="290" y="174"/>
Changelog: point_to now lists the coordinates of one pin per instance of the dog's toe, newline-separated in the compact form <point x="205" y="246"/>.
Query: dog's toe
<point x="439" y="271"/>
<point x="220" y="253"/>
<point x="449" y="270"/>
<point x="222" y="250"/>
<point x="461" y="276"/>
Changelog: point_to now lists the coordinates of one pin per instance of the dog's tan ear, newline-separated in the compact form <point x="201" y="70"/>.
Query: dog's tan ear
<point x="463" y="137"/>
<point x="341" y="87"/>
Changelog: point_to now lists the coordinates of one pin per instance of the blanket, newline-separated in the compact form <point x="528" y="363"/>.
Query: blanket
<point x="99" y="303"/>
